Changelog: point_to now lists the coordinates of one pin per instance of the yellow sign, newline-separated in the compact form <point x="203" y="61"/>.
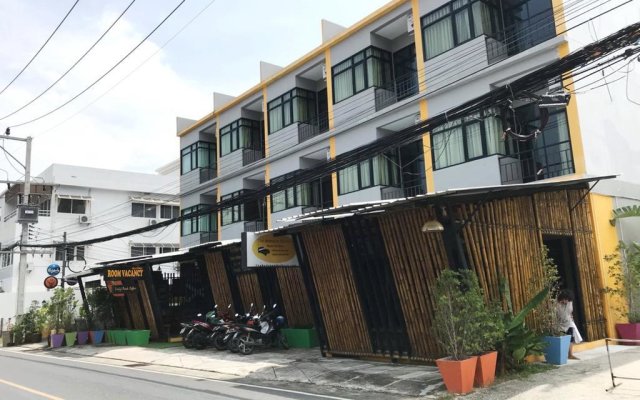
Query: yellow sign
<point x="266" y="249"/>
<point x="113" y="274"/>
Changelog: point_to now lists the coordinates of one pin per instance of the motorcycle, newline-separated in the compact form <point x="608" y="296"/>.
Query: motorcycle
<point x="224" y="341"/>
<point x="197" y="333"/>
<point x="265" y="332"/>
<point x="187" y="331"/>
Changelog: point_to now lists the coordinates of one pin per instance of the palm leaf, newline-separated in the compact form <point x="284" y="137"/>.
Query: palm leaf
<point x="625" y="212"/>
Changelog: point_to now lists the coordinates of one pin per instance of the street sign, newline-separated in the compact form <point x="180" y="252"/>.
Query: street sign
<point x="53" y="269"/>
<point x="50" y="282"/>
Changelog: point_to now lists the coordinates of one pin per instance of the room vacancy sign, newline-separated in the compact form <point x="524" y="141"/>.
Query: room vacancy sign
<point x="268" y="250"/>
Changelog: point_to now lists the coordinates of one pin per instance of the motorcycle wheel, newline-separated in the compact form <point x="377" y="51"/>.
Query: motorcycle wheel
<point x="199" y="341"/>
<point x="283" y="342"/>
<point x="245" y="345"/>
<point x="219" y="343"/>
<point x="187" y="341"/>
<point x="233" y="345"/>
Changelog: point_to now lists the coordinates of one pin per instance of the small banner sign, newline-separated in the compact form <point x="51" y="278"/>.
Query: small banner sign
<point x="50" y="282"/>
<point x="110" y="287"/>
<point x="117" y="274"/>
<point x="268" y="250"/>
<point x="123" y="289"/>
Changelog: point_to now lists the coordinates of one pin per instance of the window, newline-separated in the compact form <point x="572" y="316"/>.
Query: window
<point x="405" y="71"/>
<point x="6" y="259"/>
<point x="528" y="23"/>
<point x="72" y="206"/>
<point x="166" y="249"/>
<point x="367" y="68"/>
<point x="169" y="212"/>
<point x="139" y="251"/>
<point x="241" y="134"/>
<point x="203" y="223"/>
<point x="467" y="139"/>
<point x="235" y="213"/>
<point x="143" y="210"/>
<point x="458" y="22"/>
<point x="197" y="155"/>
<point x="295" y="196"/>
<point x="73" y="253"/>
<point x="381" y="170"/>
<point x="297" y="105"/>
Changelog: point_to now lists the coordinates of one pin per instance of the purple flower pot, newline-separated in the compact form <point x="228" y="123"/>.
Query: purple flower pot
<point x="629" y="331"/>
<point x="57" y="339"/>
<point x="83" y="337"/>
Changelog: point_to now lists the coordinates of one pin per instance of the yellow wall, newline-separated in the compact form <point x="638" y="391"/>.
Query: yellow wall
<point x="606" y="241"/>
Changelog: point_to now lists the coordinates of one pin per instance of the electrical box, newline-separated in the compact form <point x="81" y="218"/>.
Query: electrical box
<point x="27" y="214"/>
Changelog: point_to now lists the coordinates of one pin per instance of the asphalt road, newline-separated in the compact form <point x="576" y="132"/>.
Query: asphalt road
<point x="29" y="376"/>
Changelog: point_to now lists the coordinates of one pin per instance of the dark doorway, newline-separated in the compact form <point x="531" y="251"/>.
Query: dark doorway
<point x="562" y="251"/>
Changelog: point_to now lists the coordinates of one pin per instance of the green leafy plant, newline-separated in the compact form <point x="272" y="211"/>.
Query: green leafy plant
<point x="624" y="269"/>
<point x="459" y="305"/>
<point x="545" y="313"/>
<point x="28" y="325"/>
<point x="60" y="309"/>
<point x="519" y="341"/>
<point x="101" y="307"/>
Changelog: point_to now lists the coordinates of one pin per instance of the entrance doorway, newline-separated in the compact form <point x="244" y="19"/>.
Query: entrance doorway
<point x="562" y="251"/>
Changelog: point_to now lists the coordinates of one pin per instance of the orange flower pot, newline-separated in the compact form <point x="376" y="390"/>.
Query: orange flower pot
<point x="458" y="375"/>
<point x="486" y="369"/>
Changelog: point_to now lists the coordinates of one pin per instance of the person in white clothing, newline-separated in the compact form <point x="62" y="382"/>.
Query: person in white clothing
<point x="564" y="312"/>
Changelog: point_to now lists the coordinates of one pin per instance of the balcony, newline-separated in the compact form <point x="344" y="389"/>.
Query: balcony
<point x="251" y="155"/>
<point x="206" y="237"/>
<point x="314" y="127"/>
<point x="207" y="174"/>
<point x="533" y="166"/>
<point x="254" y="226"/>
<point x="401" y="88"/>
<point x="388" y="193"/>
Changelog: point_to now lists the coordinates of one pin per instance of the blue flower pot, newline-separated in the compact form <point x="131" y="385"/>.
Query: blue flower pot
<point x="557" y="350"/>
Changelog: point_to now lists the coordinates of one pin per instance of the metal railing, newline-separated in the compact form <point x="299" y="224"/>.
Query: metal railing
<point x="254" y="226"/>
<point x="314" y="127"/>
<point x="44" y="213"/>
<point x="388" y="193"/>
<point x="206" y="237"/>
<point x="207" y="174"/>
<point x="10" y="215"/>
<point x="525" y="167"/>
<point x="251" y="155"/>
<point x="400" y="88"/>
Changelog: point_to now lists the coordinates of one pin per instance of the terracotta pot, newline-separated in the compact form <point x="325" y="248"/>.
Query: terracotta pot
<point x="629" y="331"/>
<point x="486" y="369"/>
<point x="458" y="375"/>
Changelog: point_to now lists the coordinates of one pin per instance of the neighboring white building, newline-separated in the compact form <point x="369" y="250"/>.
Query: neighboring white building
<point x="86" y="203"/>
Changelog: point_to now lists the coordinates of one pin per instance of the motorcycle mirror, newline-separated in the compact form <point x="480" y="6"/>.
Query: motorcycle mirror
<point x="264" y="306"/>
<point x="229" y="306"/>
<point x="275" y="305"/>
<point x="215" y="306"/>
<point x="199" y="315"/>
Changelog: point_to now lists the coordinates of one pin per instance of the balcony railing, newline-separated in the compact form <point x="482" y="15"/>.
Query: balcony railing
<point x="251" y="155"/>
<point x="206" y="237"/>
<point x="402" y="87"/>
<point x="44" y="213"/>
<point x="389" y="193"/>
<point x="314" y="127"/>
<point x="207" y="174"/>
<point x="254" y="226"/>
<point x="525" y="167"/>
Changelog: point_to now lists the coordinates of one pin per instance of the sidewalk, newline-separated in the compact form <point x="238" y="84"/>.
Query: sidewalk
<point x="584" y="378"/>
<point x="293" y="366"/>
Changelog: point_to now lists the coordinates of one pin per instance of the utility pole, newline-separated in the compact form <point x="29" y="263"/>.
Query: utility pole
<point x="64" y="257"/>
<point x="22" y="266"/>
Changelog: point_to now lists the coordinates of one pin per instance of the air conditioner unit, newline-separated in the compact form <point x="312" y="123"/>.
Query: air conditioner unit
<point x="409" y="24"/>
<point x="153" y="221"/>
<point x="84" y="219"/>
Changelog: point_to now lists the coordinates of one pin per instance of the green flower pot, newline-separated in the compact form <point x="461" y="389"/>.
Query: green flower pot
<point x="119" y="337"/>
<point x="70" y="338"/>
<point x="301" y="338"/>
<point x="138" y="337"/>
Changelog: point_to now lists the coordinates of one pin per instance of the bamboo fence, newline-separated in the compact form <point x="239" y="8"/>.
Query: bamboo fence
<point x="219" y="280"/>
<point x="294" y="297"/>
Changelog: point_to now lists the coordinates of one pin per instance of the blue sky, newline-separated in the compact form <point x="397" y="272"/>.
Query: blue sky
<point x="125" y="122"/>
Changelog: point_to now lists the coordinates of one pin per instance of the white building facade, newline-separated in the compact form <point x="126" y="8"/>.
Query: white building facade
<point x="85" y="203"/>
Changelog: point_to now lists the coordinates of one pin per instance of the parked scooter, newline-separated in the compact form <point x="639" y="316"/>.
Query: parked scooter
<point x="187" y="331"/>
<point x="265" y="332"/>
<point x="223" y="341"/>
<point x="196" y="334"/>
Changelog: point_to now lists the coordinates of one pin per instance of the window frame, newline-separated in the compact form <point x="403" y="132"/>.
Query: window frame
<point x="146" y="207"/>
<point x="237" y="211"/>
<point x="232" y="131"/>
<point x="291" y="194"/>
<point x="288" y="101"/>
<point x="194" y="222"/>
<point x="72" y="206"/>
<point x="368" y="167"/>
<point x="361" y="58"/>
<point x="174" y="211"/>
<point x="192" y="151"/>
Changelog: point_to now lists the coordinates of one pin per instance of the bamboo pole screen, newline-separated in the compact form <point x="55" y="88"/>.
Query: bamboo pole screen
<point x="250" y="291"/>
<point x="294" y="297"/>
<point x="415" y="258"/>
<point x="136" y="311"/>
<point x="219" y="280"/>
<point x="148" y="310"/>
<point x="337" y="296"/>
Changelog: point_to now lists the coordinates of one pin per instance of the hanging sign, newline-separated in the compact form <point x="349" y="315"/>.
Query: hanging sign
<point x="268" y="250"/>
<point x="113" y="284"/>
<point x="50" y="282"/>
<point x="116" y="274"/>
<point x="53" y="269"/>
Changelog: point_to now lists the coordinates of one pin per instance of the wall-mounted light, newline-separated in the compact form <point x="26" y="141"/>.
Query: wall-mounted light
<point x="432" y="225"/>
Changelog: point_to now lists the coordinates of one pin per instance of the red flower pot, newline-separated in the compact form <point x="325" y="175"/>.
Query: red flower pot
<point x="458" y="375"/>
<point x="486" y="369"/>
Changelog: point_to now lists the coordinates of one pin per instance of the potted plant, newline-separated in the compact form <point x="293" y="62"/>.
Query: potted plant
<point x="557" y="350"/>
<point x="27" y="329"/>
<point x="100" y="304"/>
<point x="491" y="331"/>
<point x="624" y="271"/>
<point x="455" y="324"/>
<point x="59" y="314"/>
